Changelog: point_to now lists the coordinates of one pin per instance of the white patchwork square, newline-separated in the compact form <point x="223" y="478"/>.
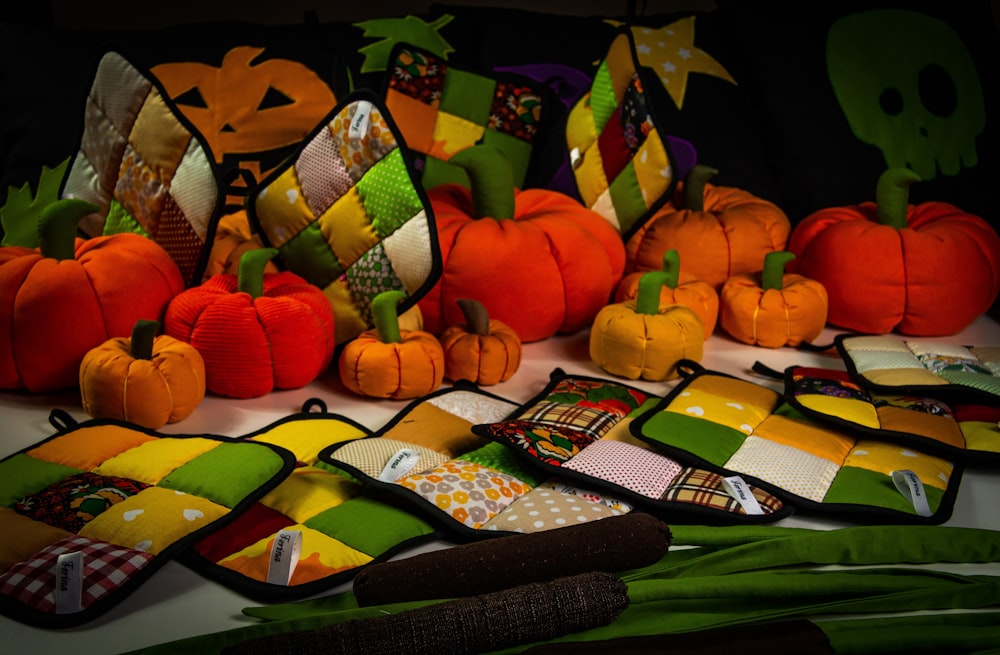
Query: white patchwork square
<point x="785" y="467"/>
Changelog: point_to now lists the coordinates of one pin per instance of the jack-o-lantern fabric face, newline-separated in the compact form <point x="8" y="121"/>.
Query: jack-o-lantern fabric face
<point x="252" y="109"/>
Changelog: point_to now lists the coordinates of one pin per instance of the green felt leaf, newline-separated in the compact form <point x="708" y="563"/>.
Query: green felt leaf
<point x="20" y="212"/>
<point x="411" y="30"/>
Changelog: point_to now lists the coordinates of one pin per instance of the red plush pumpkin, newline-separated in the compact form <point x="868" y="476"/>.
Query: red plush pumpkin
<point x="145" y="379"/>
<point x="69" y="295"/>
<point x="256" y="331"/>
<point x="483" y="350"/>
<point x="718" y="231"/>
<point x="773" y="308"/>
<point x="538" y="260"/>
<point x="924" y="270"/>
<point x="678" y="289"/>
<point x="386" y="362"/>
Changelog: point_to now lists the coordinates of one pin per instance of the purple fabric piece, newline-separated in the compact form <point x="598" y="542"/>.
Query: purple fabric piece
<point x="568" y="83"/>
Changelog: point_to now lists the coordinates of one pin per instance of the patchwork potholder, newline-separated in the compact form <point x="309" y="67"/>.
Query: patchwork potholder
<point x="890" y="364"/>
<point x="441" y="109"/>
<point x="577" y="428"/>
<point x="735" y="426"/>
<point x="347" y="214"/>
<point x="953" y="429"/>
<point x="429" y="457"/>
<point x="90" y="513"/>
<point x="313" y="531"/>
<point x="145" y="166"/>
<point x="618" y="151"/>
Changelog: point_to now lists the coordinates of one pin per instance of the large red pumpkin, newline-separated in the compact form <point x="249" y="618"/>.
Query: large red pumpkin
<point x="69" y="295"/>
<point x="718" y="231"/>
<point x="538" y="260"/>
<point x="923" y="270"/>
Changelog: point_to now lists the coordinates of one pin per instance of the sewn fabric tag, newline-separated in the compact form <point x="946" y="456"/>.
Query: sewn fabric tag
<point x="740" y="491"/>
<point x="399" y="465"/>
<point x="908" y="484"/>
<point x="69" y="583"/>
<point x="359" y="122"/>
<point x="284" y="556"/>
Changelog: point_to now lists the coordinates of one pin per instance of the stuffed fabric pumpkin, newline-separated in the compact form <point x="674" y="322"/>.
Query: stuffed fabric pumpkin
<point x="483" y="350"/>
<point x="256" y="331"/>
<point x="773" y="309"/>
<point x="145" y="379"/>
<point x="233" y="237"/>
<point x="718" y="231"/>
<point x="69" y="295"/>
<point x="698" y="296"/>
<point x="538" y="260"/>
<point x="923" y="270"/>
<point x="386" y="362"/>
<point x="641" y="338"/>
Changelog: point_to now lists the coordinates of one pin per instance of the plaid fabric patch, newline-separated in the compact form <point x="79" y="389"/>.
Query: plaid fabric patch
<point x="105" y="568"/>
<point x="72" y="502"/>
<point x="700" y="487"/>
<point x="564" y="416"/>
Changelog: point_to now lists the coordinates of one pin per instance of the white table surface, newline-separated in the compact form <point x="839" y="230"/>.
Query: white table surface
<point x="176" y="603"/>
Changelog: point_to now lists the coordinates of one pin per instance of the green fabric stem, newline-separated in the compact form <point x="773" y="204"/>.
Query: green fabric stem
<point x="773" y="275"/>
<point x="961" y="632"/>
<point x="250" y="275"/>
<point x="57" y="227"/>
<point x="386" y="315"/>
<point x="647" y="299"/>
<point x="892" y="196"/>
<point x="491" y="180"/>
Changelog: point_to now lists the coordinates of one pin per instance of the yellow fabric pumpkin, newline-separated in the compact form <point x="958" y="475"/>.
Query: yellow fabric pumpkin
<point x="483" y="350"/>
<point x="145" y="379"/>
<point x="640" y="338"/>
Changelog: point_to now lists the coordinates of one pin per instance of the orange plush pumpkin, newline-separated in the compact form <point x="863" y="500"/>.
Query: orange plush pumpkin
<point x="145" y="379"/>
<point x="718" y="231"/>
<point x="640" y="338"/>
<point x="69" y="295"/>
<point x="699" y="296"/>
<point x="233" y="237"/>
<point x="483" y="350"/>
<point x="256" y="331"/>
<point x="924" y="270"/>
<point x="773" y="309"/>
<point x="538" y="260"/>
<point x="386" y="362"/>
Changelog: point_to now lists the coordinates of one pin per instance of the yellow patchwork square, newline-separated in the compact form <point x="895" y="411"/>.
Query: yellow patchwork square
<point x="348" y="228"/>
<point x="309" y="491"/>
<point x="652" y="168"/>
<point x="350" y="322"/>
<point x="153" y="519"/>
<point x="159" y="138"/>
<point x="738" y="391"/>
<point x="153" y="460"/>
<point x="884" y="457"/>
<point x="282" y="210"/>
<point x="306" y="438"/>
<point x="808" y="437"/>
<point x="850" y="409"/>
<point x="452" y="133"/>
<point x="697" y="403"/>
<point x="87" y="447"/>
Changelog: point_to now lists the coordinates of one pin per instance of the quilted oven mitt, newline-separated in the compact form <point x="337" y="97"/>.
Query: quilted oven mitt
<point x="145" y="167"/>
<point x="577" y="428"/>
<point x="90" y="513"/>
<point x="429" y="458"/>
<point x="313" y="531"/>
<point x="347" y="214"/>
<point x="738" y="427"/>
<point x="966" y="431"/>
<point x="620" y="156"/>
<point x="889" y="364"/>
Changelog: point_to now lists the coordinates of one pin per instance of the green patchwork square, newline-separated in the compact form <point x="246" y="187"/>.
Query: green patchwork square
<point x="388" y="194"/>
<point x="467" y="95"/>
<point x="369" y="526"/>
<point x="228" y="474"/>
<point x="626" y="196"/>
<point x="858" y="486"/>
<point x="23" y="475"/>
<point x="501" y="458"/>
<point x="119" y="221"/>
<point x="603" y="101"/>
<point x="712" y="442"/>
<point x="518" y="153"/>
<point x="314" y="261"/>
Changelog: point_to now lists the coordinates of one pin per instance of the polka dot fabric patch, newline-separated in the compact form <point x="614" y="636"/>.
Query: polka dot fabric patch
<point x="546" y="508"/>
<point x="637" y="469"/>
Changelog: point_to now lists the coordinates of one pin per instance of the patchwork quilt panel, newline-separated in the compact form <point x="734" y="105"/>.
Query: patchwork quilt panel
<point x="347" y="214"/>
<point x="90" y="513"/>
<point x="968" y="431"/>
<point x="738" y="427"/>
<point x="442" y="109"/>
<point x="145" y="167"/>
<point x="577" y="428"/>
<point x="618" y="151"/>
<point x="430" y="458"/>
<point x="313" y="531"/>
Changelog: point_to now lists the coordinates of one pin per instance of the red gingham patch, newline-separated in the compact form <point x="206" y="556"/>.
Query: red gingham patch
<point x="105" y="568"/>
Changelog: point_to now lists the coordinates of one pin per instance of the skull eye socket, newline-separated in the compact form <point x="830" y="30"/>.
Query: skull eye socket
<point x="891" y="101"/>
<point x="937" y="90"/>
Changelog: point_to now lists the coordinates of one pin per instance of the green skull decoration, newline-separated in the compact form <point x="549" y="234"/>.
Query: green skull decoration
<point x="907" y="85"/>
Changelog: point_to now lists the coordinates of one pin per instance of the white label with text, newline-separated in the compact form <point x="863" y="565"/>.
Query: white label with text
<point x="740" y="490"/>
<point x="69" y="583"/>
<point x="909" y="484"/>
<point x="285" y="554"/>
<point x="401" y="463"/>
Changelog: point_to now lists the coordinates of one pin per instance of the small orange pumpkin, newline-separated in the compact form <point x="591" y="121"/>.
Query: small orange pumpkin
<point x="386" y="362"/>
<point x="233" y="237"/>
<point x="699" y="296"/>
<point x="640" y="338"/>
<point x="146" y="379"/>
<point x="483" y="350"/>
<point x="773" y="309"/>
<point x="718" y="231"/>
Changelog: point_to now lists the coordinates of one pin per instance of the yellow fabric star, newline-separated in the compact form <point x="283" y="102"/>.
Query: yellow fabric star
<point x="671" y="53"/>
